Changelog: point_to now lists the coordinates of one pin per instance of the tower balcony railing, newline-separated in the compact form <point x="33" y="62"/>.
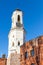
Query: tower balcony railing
<point x="19" y="24"/>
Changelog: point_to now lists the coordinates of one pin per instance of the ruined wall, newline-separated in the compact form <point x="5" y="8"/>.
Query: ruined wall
<point x="32" y="52"/>
<point x="40" y="41"/>
<point x="3" y="61"/>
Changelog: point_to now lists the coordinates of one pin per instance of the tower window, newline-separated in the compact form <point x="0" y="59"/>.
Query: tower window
<point x="13" y="44"/>
<point x="18" y="43"/>
<point x="18" y="18"/>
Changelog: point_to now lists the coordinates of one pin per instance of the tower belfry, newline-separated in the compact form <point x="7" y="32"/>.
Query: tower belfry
<point x="17" y="19"/>
<point x="16" y="38"/>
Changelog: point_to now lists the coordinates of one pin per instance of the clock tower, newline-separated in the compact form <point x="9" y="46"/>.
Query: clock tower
<point x="16" y="38"/>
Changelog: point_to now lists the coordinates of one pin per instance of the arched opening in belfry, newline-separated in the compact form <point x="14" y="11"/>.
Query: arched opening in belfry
<point x="19" y="18"/>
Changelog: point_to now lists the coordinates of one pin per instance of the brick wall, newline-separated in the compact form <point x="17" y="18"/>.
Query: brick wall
<point x="3" y="61"/>
<point x="32" y="52"/>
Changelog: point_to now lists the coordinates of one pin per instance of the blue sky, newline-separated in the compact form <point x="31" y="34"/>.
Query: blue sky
<point x="32" y="19"/>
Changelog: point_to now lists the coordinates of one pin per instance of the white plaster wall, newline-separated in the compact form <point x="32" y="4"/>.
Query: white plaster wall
<point x="18" y="34"/>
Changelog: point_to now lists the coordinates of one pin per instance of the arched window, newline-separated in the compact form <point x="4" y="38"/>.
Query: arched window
<point x="26" y="55"/>
<point x="32" y="52"/>
<point x="19" y="18"/>
<point x="13" y="44"/>
<point x="18" y="43"/>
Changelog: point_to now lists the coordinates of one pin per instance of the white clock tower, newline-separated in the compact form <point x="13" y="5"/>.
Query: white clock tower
<point x="16" y="35"/>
